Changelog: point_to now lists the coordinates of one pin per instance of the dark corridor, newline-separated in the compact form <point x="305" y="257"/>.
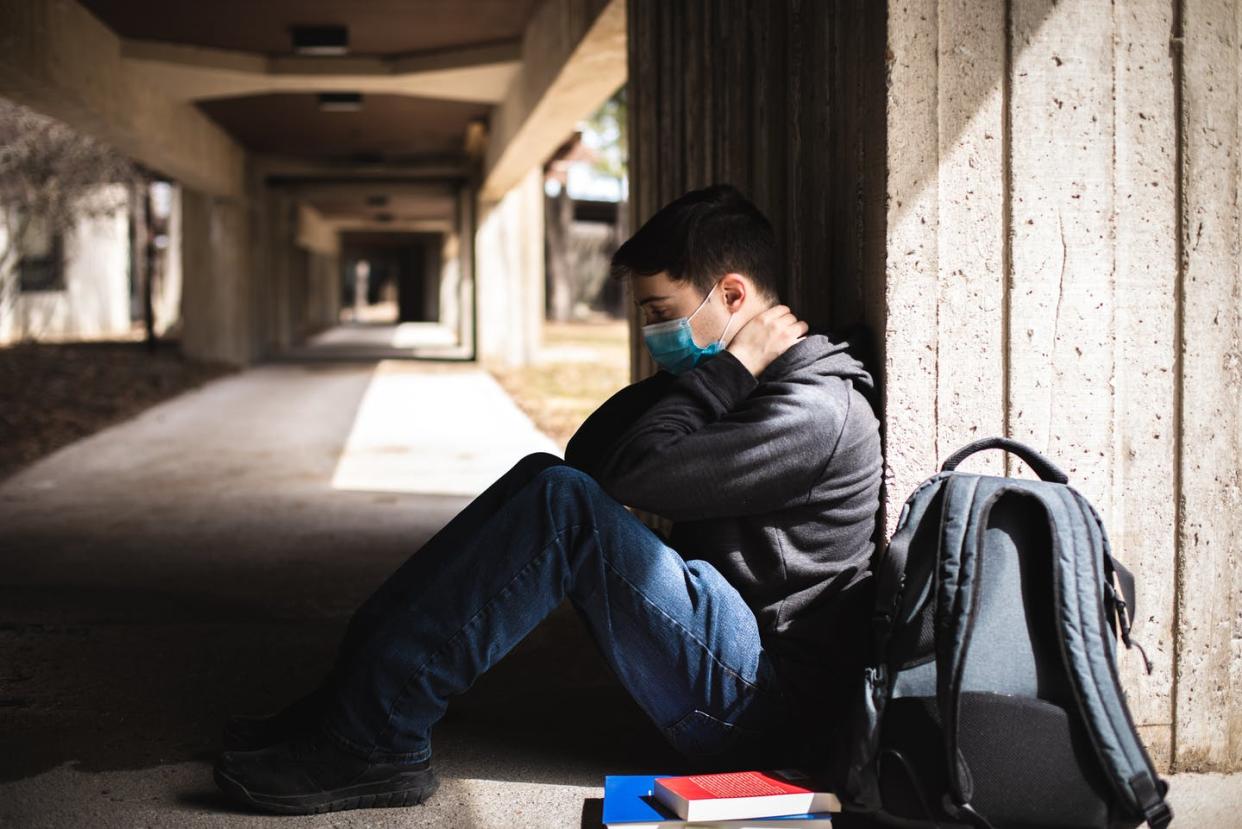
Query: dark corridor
<point x="401" y="272"/>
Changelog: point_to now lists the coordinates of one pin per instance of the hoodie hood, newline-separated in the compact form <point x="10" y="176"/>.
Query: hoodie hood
<point x="819" y="354"/>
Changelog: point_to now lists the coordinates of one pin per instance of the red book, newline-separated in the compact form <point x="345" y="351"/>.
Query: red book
<point x="743" y="794"/>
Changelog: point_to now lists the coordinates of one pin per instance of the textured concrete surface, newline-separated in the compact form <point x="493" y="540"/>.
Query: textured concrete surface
<point x="509" y="274"/>
<point x="197" y="561"/>
<point x="1063" y="267"/>
<point x="1208" y="692"/>
<point x="1144" y="519"/>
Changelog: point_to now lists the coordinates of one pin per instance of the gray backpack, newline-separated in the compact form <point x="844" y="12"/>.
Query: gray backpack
<point x="990" y="696"/>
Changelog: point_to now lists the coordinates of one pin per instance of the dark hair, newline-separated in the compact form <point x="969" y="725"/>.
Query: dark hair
<point x="700" y="237"/>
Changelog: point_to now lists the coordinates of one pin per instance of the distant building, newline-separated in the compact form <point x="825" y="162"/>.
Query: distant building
<point x="79" y="284"/>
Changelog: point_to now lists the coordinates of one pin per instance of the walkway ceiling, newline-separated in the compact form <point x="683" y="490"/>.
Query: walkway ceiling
<point x="392" y="128"/>
<point x="429" y="72"/>
<point x="377" y="28"/>
<point x="399" y="206"/>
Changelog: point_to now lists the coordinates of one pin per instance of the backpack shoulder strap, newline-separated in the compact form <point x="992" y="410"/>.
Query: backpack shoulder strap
<point x="967" y="501"/>
<point x="861" y="786"/>
<point x="1080" y="554"/>
<point x="890" y="571"/>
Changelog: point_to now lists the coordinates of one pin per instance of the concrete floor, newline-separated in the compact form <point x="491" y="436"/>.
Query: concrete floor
<point x="374" y="340"/>
<point x="204" y="558"/>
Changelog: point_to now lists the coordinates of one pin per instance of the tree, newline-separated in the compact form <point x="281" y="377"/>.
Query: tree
<point x="50" y="175"/>
<point x="610" y="141"/>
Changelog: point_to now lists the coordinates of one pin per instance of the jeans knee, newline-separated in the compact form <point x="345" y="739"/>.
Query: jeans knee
<point x="564" y="475"/>
<point x="536" y="462"/>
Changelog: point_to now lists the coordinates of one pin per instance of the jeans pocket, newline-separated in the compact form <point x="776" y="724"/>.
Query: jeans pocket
<point x="699" y="734"/>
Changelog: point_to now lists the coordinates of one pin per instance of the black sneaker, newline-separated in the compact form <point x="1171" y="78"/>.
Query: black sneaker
<point x="302" y="718"/>
<point x="313" y="774"/>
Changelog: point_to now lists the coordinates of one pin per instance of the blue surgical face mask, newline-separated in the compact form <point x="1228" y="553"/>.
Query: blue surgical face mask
<point x="673" y="347"/>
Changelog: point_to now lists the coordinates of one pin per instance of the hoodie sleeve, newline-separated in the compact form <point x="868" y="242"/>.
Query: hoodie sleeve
<point x="720" y="443"/>
<point x="594" y="438"/>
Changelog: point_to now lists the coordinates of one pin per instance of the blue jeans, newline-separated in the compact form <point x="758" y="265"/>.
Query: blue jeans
<point x="676" y="633"/>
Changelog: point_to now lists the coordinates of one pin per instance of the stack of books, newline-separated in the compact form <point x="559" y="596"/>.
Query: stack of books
<point x="784" y="799"/>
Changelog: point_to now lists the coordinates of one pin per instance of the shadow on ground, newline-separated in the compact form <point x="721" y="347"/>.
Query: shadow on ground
<point x="196" y="562"/>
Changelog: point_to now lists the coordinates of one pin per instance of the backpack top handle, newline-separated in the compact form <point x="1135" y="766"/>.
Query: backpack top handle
<point x="1043" y="467"/>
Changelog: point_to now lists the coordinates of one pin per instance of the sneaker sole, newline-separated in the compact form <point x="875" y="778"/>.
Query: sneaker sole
<point x="408" y="789"/>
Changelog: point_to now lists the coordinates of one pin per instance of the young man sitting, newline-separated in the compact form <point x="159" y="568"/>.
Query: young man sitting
<point x="736" y="635"/>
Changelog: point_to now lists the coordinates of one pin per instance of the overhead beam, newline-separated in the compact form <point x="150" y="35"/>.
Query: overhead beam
<point x="283" y="169"/>
<point x="355" y="189"/>
<point x="412" y="226"/>
<point x="479" y="73"/>
<point x="58" y="59"/>
<point x="573" y="59"/>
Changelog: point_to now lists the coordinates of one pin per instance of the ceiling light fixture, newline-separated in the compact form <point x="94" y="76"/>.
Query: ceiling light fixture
<point x="340" y="101"/>
<point x="320" y="40"/>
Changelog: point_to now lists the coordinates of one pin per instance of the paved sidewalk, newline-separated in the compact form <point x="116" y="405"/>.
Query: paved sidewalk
<point x="204" y="558"/>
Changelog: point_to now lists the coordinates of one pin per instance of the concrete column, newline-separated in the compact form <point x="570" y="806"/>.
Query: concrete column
<point x="509" y="274"/>
<point x="449" y="297"/>
<point x="168" y="300"/>
<point x="281" y="272"/>
<point x="432" y="267"/>
<point x="772" y="99"/>
<point x="317" y="254"/>
<point x="216" y="304"/>
<point x="1207" y="723"/>
<point x="1142" y="520"/>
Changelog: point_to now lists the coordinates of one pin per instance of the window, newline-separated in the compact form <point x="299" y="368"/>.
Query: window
<point x="42" y="264"/>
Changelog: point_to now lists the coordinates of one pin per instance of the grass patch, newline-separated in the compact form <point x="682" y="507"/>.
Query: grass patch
<point x="580" y="365"/>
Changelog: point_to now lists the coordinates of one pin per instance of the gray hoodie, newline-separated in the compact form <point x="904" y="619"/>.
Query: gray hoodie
<point x="773" y="481"/>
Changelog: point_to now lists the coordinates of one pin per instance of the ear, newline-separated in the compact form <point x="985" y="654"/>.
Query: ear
<point x="736" y="288"/>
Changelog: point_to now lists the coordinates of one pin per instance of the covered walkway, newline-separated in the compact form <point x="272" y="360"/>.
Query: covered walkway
<point x="204" y="558"/>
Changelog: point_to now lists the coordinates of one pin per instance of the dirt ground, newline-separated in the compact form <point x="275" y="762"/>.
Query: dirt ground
<point x="52" y="394"/>
<point x="580" y="365"/>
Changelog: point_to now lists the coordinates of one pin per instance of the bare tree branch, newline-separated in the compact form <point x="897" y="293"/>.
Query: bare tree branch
<point x="51" y="171"/>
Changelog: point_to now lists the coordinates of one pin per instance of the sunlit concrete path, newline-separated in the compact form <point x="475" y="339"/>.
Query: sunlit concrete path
<point x="204" y="558"/>
<point x="378" y="341"/>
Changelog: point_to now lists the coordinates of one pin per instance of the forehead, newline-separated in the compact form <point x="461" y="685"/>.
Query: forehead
<point x="655" y="286"/>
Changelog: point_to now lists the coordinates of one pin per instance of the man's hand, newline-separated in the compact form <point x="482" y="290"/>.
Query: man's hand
<point x="765" y="337"/>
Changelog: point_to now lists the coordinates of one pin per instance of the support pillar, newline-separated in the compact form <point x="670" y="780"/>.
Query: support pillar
<point x="216" y="297"/>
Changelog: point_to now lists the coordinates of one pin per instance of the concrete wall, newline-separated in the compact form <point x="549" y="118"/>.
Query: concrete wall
<point x="509" y="274"/>
<point x="94" y="302"/>
<point x="1063" y="266"/>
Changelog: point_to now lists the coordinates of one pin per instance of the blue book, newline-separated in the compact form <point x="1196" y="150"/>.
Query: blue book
<point x="630" y="804"/>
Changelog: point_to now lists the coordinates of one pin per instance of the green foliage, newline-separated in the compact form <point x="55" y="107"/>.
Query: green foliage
<point x="609" y="125"/>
